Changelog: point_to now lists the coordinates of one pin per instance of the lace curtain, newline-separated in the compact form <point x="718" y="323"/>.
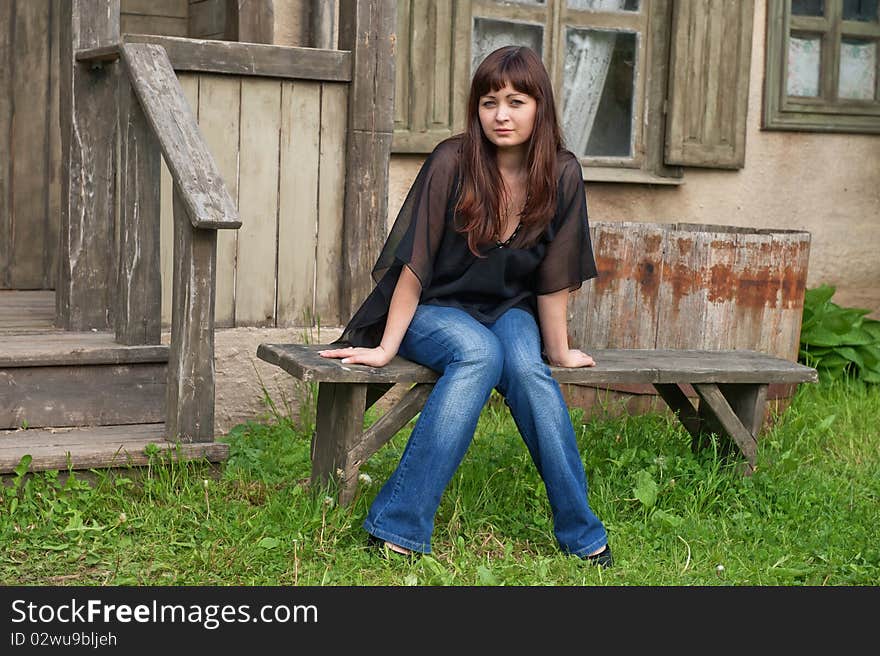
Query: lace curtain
<point x="588" y="58"/>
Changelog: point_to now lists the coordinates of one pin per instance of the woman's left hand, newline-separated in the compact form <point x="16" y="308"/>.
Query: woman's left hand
<point x="573" y="358"/>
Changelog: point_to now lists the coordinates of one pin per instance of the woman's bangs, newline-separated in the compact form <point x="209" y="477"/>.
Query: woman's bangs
<point x="510" y="70"/>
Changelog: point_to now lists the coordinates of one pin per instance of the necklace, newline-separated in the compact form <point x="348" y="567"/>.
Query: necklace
<point x="506" y="242"/>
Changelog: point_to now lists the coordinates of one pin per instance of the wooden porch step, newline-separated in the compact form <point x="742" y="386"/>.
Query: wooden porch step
<point x="42" y="349"/>
<point x="97" y="447"/>
<point x="80" y="379"/>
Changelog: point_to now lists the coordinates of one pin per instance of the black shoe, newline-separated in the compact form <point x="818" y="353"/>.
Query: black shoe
<point x="603" y="559"/>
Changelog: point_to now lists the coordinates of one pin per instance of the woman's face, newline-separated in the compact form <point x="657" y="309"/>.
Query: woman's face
<point x="507" y="116"/>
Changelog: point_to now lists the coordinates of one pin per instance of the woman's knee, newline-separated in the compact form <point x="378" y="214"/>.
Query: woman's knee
<point x="441" y="336"/>
<point x="484" y="355"/>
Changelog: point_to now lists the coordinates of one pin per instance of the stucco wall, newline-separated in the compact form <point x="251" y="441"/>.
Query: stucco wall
<point x="828" y="184"/>
<point x="242" y="380"/>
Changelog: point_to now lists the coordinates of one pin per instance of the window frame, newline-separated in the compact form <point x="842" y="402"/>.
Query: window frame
<point x="650" y="78"/>
<point x="826" y="113"/>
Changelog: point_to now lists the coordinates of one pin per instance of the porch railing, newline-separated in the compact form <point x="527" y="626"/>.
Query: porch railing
<point x="154" y="120"/>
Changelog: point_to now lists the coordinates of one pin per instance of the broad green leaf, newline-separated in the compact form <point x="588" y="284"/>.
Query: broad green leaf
<point x="268" y="543"/>
<point x="645" y="489"/>
<point x="819" y="336"/>
<point x="872" y="326"/>
<point x="870" y="354"/>
<point x="857" y="336"/>
<point x="819" y="295"/>
<point x="850" y="354"/>
<point x="669" y="519"/>
<point x="842" y="320"/>
<point x="833" y="361"/>
<point x="23" y="465"/>
<point x="870" y="376"/>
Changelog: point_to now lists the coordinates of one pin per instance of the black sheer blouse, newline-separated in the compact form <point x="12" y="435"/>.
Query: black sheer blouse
<point x="510" y="275"/>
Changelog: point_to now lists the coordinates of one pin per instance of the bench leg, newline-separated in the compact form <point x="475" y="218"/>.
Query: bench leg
<point x="739" y="410"/>
<point x="681" y="405"/>
<point x="339" y="425"/>
<point x="734" y="411"/>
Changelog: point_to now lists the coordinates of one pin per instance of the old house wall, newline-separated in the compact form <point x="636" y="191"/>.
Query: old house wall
<point x="824" y="183"/>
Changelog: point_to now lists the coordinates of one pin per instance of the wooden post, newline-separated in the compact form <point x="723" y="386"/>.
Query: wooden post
<point x="190" y="405"/>
<point x="250" y="21"/>
<point x="366" y="28"/>
<point x="139" y="288"/>
<point x="87" y="259"/>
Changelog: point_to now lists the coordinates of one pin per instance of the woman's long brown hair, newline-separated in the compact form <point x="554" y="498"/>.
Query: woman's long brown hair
<point x="482" y="189"/>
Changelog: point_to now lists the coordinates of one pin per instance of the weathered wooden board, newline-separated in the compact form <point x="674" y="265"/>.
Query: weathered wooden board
<point x="53" y="190"/>
<point x="87" y="276"/>
<point x="160" y="25"/>
<point x="190" y="85"/>
<point x="219" y="103"/>
<point x="97" y="447"/>
<point x="692" y="286"/>
<point x="203" y="192"/>
<point x="612" y="366"/>
<point x="29" y="146"/>
<point x="138" y="294"/>
<point x="206" y="18"/>
<point x="82" y="395"/>
<point x="253" y="20"/>
<point x="6" y="107"/>
<point x="340" y="418"/>
<point x="75" y="348"/>
<point x="724" y="414"/>
<point x="190" y="398"/>
<point x="26" y="309"/>
<point x="258" y="198"/>
<point x="367" y="30"/>
<point x="290" y="62"/>
<point x="308" y="129"/>
<point x="169" y="8"/>
<point x="389" y="423"/>
<point x="298" y="201"/>
<point x="331" y="203"/>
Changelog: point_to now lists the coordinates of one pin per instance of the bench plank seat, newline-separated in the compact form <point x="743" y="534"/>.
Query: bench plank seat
<point x="731" y="386"/>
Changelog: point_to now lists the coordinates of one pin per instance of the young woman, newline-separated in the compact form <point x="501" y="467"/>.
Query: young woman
<point x="473" y="282"/>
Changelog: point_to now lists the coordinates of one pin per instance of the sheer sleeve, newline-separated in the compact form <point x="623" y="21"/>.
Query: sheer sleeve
<point x="418" y="229"/>
<point x="413" y="241"/>
<point x="568" y="260"/>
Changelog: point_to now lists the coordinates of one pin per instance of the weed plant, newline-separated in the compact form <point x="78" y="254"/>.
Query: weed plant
<point x="807" y="516"/>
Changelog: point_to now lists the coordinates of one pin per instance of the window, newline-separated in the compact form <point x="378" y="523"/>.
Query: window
<point x="822" y="65"/>
<point x="611" y="63"/>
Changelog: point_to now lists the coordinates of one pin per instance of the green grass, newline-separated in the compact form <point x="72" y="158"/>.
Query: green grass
<point x="808" y="516"/>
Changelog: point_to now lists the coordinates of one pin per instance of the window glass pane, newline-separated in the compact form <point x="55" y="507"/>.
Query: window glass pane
<point x="804" y="55"/>
<point x="858" y="69"/>
<point x="489" y="35"/>
<point x="860" y="10"/>
<point x="808" y="7"/>
<point x="599" y="74"/>
<point x="605" y="5"/>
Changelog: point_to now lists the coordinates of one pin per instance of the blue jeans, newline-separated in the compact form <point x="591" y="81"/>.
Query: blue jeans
<point x="473" y="358"/>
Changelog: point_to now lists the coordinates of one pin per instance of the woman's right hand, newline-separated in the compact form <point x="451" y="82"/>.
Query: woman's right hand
<point x="372" y="357"/>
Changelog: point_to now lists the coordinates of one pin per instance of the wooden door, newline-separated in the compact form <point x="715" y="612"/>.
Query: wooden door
<point x="30" y="144"/>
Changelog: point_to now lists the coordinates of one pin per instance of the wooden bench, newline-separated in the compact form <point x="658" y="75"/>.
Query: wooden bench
<point x="731" y="386"/>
